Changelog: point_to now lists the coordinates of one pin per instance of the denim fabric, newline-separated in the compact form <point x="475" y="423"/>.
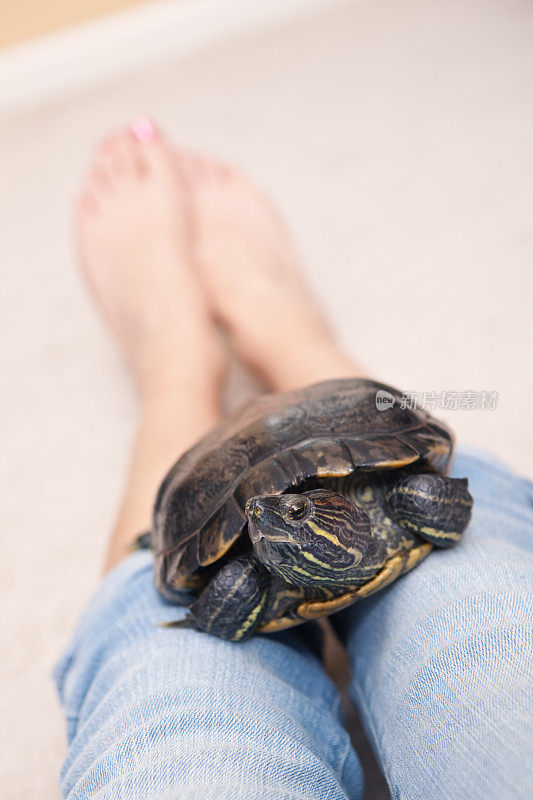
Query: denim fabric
<point x="155" y="713"/>
<point x="441" y="672"/>
<point x="442" y="660"/>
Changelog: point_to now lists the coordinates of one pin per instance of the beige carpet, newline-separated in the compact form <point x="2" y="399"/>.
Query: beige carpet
<point x="397" y="135"/>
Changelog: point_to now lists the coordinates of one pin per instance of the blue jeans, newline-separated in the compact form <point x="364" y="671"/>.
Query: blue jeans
<point x="441" y="666"/>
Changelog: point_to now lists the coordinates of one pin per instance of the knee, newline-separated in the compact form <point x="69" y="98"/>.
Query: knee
<point x="191" y="715"/>
<point x="440" y="668"/>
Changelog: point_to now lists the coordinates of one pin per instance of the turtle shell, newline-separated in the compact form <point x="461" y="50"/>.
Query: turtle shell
<point x="270" y="444"/>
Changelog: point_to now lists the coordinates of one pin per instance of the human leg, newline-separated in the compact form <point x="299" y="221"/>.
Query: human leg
<point x="133" y="233"/>
<point x="440" y="659"/>
<point x="157" y="713"/>
<point x="252" y="275"/>
<point x="152" y="712"/>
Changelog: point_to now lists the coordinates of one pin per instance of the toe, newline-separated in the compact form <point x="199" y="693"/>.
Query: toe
<point x="217" y="170"/>
<point x="224" y="173"/>
<point x="115" y="165"/>
<point x="99" y="179"/>
<point x="144" y="130"/>
<point x="184" y="167"/>
<point x="129" y="153"/>
<point x="109" y="140"/>
<point x="156" y="158"/>
<point x="119" y="156"/>
<point x="87" y="202"/>
<point x="200" y="166"/>
<point x="198" y="170"/>
<point x="213" y="170"/>
<point x="154" y="153"/>
<point x="108" y="164"/>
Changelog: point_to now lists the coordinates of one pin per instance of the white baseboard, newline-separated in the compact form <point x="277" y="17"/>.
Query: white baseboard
<point x="42" y="69"/>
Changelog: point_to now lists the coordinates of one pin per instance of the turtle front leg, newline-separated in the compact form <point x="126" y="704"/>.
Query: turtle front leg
<point x="232" y="604"/>
<point x="435" y="507"/>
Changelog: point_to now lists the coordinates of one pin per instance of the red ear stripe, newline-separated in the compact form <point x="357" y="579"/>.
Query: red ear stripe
<point x="349" y="523"/>
<point x="324" y="497"/>
<point x="329" y="501"/>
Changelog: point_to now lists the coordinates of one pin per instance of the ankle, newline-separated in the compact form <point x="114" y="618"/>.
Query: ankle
<point x="177" y="388"/>
<point x="178" y="415"/>
<point x="319" y="361"/>
<point x="189" y="359"/>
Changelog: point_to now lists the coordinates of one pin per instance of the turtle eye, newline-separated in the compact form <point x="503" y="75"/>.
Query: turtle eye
<point x="297" y="509"/>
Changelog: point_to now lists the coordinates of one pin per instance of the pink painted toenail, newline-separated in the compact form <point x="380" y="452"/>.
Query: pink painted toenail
<point x="143" y="129"/>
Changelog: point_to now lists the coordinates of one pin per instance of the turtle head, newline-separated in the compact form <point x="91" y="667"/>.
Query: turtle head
<point x="309" y="539"/>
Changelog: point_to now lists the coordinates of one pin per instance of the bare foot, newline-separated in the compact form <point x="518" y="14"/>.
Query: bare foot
<point x="251" y="273"/>
<point x="133" y="232"/>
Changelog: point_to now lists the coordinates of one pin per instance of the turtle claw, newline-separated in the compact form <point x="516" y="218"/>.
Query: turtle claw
<point x="142" y="542"/>
<point x="187" y="622"/>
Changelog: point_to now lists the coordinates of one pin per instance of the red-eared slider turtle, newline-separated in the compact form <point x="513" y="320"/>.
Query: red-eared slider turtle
<point x="300" y="503"/>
